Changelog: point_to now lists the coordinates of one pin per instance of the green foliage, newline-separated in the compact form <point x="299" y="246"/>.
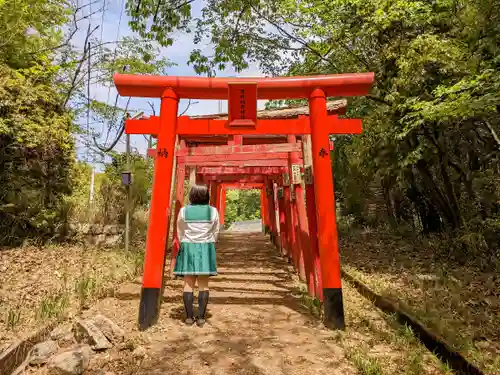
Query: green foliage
<point x="235" y="28"/>
<point x="43" y="81"/>
<point x="28" y="31"/>
<point x="242" y="205"/>
<point x="432" y="139"/>
<point x="36" y="146"/>
<point x="112" y="194"/>
<point x="138" y="56"/>
<point x="167" y="16"/>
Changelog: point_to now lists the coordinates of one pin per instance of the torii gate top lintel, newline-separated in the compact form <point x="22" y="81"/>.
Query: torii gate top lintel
<point x="351" y="84"/>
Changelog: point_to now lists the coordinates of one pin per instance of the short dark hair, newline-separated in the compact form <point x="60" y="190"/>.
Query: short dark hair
<point x="199" y="195"/>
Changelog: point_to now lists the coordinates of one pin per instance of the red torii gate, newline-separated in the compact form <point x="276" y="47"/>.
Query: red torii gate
<point x="243" y="94"/>
<point x="296" y="231"/>
<point x="220" y="183"/>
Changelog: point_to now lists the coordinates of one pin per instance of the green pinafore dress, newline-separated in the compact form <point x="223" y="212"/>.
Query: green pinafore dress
<point x="195" y="257"/>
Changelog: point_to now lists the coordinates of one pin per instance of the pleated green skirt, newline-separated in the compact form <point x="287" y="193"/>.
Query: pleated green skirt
<point x="196" y="259"/>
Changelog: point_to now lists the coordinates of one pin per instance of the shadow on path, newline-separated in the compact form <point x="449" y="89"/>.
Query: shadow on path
<point x="256" y="324"/>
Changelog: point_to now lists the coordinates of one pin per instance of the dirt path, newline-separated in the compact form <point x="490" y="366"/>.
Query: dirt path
<point x="258" y="324"/>
<point x="255" y="324"/>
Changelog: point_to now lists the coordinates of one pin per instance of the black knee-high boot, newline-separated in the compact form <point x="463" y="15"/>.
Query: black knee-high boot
<point x="202" y="306"/>
<point x="188" y="307"/>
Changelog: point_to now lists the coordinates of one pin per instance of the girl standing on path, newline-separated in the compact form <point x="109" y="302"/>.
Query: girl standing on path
<point x="198" y="230"/>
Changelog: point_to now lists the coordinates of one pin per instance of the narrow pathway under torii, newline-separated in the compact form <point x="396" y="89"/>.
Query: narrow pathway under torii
<point x="257" y="324"/>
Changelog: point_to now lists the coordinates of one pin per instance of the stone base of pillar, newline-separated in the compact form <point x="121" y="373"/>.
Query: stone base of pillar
<point x="149" y="307"/>
<point x="333" y="308"/>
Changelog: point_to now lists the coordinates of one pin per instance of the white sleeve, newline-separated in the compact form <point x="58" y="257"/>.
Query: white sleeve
<point x="216" y="225"/>
<point x="180" y="224"/>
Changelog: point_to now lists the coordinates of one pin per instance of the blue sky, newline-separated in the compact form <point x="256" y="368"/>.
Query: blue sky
<point x="178" y="53"/>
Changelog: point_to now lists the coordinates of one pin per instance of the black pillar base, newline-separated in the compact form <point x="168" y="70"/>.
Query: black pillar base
<point x="333" y="308"/>
<point x="149" y="307"/>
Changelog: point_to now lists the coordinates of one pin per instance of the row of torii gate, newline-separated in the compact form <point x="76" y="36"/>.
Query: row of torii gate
<point x="288" y="159"/>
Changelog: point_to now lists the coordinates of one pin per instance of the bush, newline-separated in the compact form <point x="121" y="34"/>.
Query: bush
<point x="36" y="157"/>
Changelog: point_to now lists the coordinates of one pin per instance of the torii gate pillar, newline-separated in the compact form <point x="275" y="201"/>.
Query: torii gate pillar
<point x="159" y="221"/>
<point x="222" y="210"/>
<point x="326" y="214"/>
<point x="213" y="193"/>
<point x="263" y="210"/>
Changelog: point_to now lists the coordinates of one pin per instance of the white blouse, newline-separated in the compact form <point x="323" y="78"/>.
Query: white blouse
<point x="198" y="232"/>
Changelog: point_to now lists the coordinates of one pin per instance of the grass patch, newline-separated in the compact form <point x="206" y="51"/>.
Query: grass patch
<point x="379" y="336"/>
<point x="313" y="305"/>
<point x="374" y="342"/>
<point x="136" y="258"/>
<point x="458" y="301"/>
<point x="87" y="288"/>
<point x="46" y="283"/>
<point x="13" y="319"/>
<point x="414" y="363"/>
<point x="365" y="364"/>
<point x="53" y="306"/>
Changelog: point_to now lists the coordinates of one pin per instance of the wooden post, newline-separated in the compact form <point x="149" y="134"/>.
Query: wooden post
<point x="222" y="212"/>
<point x="282" y="218"/>
<point x="213" y="193"/>
<point x="271" y="209"/>
<point x="327" y="220"/>
<point x="311" y="215"/>
<point x="179" y="202"/>
<point x="263" y="210"/>
<point x="157" y="235"/>
<point x="302" y="231"/>
<point x="127" y="207"/>
<point x="192" y="176"/>
<point x="288" y="219"/>
<point x="218" y="197"/>
<point x="277" y="240"/>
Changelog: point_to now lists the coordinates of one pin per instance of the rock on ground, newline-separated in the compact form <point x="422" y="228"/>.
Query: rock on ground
<point x="87" y="332"/>
<point x="63" y="334"/>
<point x="112" y="332"/>
<point x="71" y="362"/>
<point x="60" y="331"/>
<point x="139" y="352"/>
<point x="41" y="352"/>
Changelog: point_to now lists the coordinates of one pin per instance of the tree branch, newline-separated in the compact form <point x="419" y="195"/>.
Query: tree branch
<point x="183" y="4"/>
<point x="294" y="38"/>
<point x="374" y="98"/>
<point x="75" y="26"/>
<point x="79" y="67"/>
<point x="189" y="105"/>
<point x="152" y="108"/>
<point x="493" y="133"/>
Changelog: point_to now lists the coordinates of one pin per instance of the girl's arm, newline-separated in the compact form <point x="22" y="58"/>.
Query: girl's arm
<point x="216" y="225"/>
<point x="180" y="224"/>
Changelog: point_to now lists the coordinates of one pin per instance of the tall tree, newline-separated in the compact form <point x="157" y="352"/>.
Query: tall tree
<point x="36" y="146"/>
